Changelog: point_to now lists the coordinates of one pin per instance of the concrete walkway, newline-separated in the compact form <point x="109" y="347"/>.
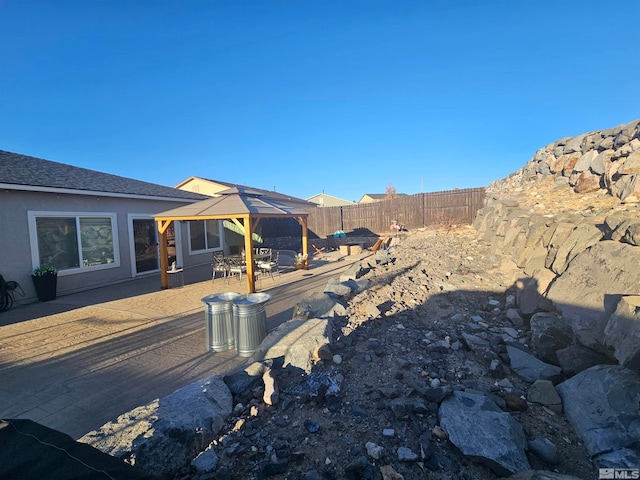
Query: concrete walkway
<point x="83" y="359"/>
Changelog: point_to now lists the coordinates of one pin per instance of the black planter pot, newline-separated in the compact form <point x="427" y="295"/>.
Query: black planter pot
<point x="46" y="286"/>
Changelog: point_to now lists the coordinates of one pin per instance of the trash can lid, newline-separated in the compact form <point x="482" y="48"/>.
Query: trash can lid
<point x="252" y="298"/>
<point x="222" y="297"/>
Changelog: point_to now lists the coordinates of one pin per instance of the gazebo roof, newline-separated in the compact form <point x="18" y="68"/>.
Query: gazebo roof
<point x="233" y="202"/>
<point x="238" y="204"/>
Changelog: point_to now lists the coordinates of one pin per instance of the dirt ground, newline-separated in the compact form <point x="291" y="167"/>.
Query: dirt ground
<point x="440" y="285"/>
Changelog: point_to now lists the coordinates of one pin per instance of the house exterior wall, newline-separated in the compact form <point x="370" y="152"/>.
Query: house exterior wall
<point x="17" y="243"/>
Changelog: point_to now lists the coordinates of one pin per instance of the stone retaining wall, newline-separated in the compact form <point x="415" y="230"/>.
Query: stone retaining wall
<point x="577" y="242"/>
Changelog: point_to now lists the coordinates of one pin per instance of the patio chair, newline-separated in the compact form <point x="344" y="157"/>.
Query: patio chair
<point x="267" y="266"/>
<point x="235" y="266"/>
<point x="7" y="293"/>
<point x="219" y="265"/>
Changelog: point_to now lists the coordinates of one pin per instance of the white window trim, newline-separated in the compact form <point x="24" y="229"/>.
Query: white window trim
<point x="33" y="239"/>
<point x="206" y="250"/>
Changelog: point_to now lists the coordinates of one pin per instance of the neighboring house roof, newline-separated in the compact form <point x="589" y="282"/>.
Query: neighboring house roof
<point x="328" y="200"/>
<point x="22" y="172"/>
<point x="267" y="193"/>
<point x="374" y="197"/>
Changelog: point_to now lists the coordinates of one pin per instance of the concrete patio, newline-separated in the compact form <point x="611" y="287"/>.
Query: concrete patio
<point x="83" y="359"/>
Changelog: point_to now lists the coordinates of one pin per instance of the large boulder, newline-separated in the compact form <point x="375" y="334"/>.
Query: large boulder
<point x="601" y="403"/>
<point x="531" y="298"/>
<point x="622" y="332"/>
<point x="296" y="340"/>
<point x="580" y="238"/>
<point x="31" y="451"/>
<point x="530" y="368"/>
<point x="589" y="290"/>
<point x="481" y="430"/>
<point x="319" y="305"/>
<point x="549" y="333"/>
<point x="163" y="436"/>
<point x="576" y="358"/>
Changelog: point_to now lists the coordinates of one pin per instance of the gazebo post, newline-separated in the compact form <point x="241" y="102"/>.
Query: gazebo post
<point x="305" y="238"/>
<point x="164" y="254"/>
<point x="248" y="255"/>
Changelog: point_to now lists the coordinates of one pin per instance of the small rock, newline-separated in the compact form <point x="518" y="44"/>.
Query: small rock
<point x="439" y="432"/>
<point x="373" y="450"/>
<point x="545" y="450"/>
<point x="312" y="475"/>
<point x="270" y="395"/>
<point x="388" y="473"/>
<point x="275" y="468"/>
<point x="435" y="383"/>
<point x="505" y="383"/>
<point x="426" y="445"/>
<point x="388" y="432"/>
<point x="323" y="352"/>
<point x="206" y="461"/>
<point x="515" y="402"/>
<point x="544" y="393"/>
<point x="311" y="426"/>
<point x="515" y="318"/>
<point x="337" y="359"/>
<point x="406" y="455"/>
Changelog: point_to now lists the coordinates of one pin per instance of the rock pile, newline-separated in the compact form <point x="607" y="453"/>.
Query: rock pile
<point x="412" y="365"/>
<point x="606" y="159"/>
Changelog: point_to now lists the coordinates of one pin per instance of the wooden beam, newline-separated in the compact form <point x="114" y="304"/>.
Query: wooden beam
<point x="248" y="255"/>
<point x="163" y="225"/>
<point x="239" y="224"/>
<point x="305" y="239"/>
<point x="164" y="258"/>
<point x="254" y="227"/>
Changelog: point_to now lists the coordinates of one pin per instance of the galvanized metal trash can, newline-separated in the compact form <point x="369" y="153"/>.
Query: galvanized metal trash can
<point x="218" y="318"/>
<point x="250" y="322"/>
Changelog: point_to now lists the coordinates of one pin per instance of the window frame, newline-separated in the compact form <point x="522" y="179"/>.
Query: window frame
<point x="206" y="249"/>
<point x="32" y="216"/>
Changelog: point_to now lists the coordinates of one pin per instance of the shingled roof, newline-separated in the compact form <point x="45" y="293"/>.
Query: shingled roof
<point x="23" y="172"/>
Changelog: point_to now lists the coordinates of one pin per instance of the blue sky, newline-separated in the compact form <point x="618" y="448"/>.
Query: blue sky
<point x="307" y="96"/>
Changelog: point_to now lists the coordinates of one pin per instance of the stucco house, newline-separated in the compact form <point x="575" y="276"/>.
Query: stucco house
<point x="95" y="228"/>
<point x="324" y="200"/>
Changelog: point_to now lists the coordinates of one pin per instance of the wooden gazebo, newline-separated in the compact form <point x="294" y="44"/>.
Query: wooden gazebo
<point x="245" y="208"/>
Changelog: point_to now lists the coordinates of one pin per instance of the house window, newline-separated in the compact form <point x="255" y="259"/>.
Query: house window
<point x="204" y="235"/>
<point x="72" y="241"/>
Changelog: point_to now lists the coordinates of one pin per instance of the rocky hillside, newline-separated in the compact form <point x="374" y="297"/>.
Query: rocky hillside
<point x="606" y="159"/>
<point x="506" y="350"/>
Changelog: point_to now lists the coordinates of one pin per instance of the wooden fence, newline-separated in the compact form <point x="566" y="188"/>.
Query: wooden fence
<point x="414" y="211"/>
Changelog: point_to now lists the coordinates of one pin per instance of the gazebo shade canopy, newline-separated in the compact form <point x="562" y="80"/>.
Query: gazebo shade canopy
<point x="233" y="202"/>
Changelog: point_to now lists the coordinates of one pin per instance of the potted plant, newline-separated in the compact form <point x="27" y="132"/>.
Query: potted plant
<point x="300" y="262"/>
<point x="45" y="280"/>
